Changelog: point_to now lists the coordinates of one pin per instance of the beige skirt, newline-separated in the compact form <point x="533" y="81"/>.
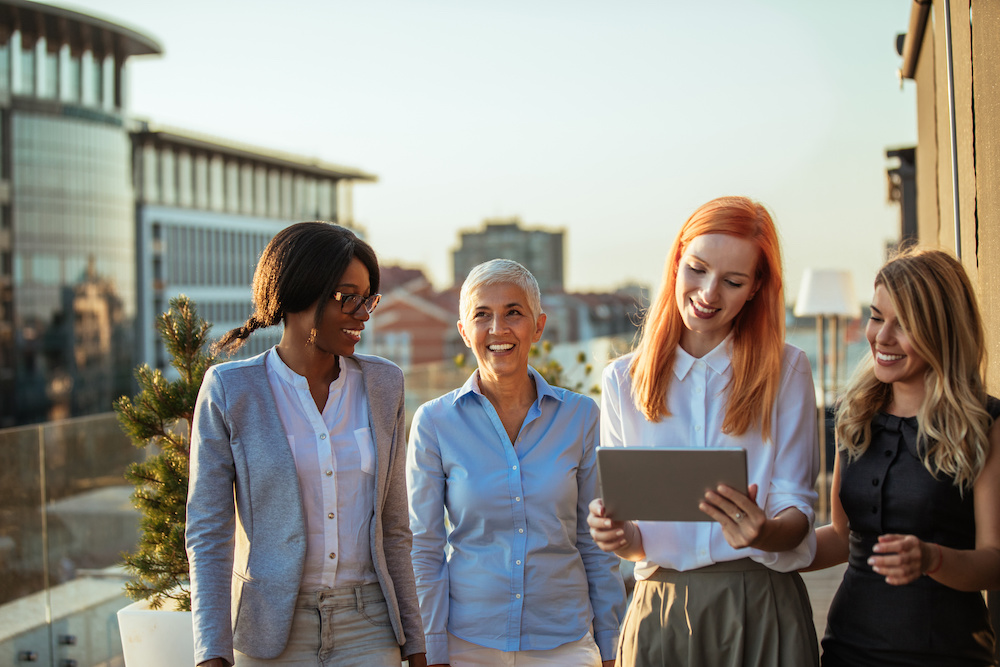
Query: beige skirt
<point x="733" y="614"/>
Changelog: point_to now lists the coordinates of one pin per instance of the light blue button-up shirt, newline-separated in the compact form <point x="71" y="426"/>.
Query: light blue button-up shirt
<point x="522" y="572"/>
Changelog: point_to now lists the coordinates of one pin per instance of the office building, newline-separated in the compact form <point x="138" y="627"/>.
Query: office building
<point x="205" y="209"/>
<point x="67" y="220"/>
<point x="540" y="250"/>
<point x="103" y="219"/>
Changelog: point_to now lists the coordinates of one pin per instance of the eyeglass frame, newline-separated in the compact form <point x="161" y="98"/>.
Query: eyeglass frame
<point x="343" y="298"/>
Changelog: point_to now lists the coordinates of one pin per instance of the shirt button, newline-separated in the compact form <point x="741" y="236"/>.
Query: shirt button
<point x="874" y="509"/>
<point x="514" y="468"/>
<point x="888" y="453"/>
<point x="330" y="515"/>
<point x="875" y="482"/>
<point x="520" y="530"/>
<point x="333" y="555"/>
<point x="517" y="595"/>
<point x="697" y="390"/>
<point x="518" y="498"/>
<point x="697" y="427"/>
<point x="322" y="436"/>
<point x="329" y="472"/>
<point x="517" y="562"/>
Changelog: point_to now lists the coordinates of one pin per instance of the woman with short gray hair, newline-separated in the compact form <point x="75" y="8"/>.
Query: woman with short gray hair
<point x="512" y="461"/>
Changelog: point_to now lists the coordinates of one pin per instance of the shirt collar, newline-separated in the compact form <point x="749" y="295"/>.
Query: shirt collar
<point x="719" y="359"/>
<point x="276" y="366"/>
<point x="542" y="387"/>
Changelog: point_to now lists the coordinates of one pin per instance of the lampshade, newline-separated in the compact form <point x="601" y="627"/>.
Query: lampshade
<point x="827" y="292"/>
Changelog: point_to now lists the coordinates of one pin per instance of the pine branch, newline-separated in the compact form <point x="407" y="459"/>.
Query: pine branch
<point x="153" y="419"/>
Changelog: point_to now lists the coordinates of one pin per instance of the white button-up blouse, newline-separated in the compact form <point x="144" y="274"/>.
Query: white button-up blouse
<point x="784" y="468"/>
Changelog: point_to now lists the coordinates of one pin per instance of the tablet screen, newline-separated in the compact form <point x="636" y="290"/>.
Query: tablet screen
<point x="666" y="483"/>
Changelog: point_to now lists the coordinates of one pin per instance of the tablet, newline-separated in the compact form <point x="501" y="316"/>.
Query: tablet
<point x="666" y="483"/>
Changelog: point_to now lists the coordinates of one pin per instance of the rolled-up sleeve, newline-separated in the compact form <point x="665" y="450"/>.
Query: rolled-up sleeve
<point x="796" y="465"/>
<point x="426" y="487"/>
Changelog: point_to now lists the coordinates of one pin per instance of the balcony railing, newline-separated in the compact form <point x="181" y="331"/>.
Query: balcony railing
<point x="65" y="519"/>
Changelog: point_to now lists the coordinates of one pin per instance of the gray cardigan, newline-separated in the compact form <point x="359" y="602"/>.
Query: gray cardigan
<point x="245" y="521"/>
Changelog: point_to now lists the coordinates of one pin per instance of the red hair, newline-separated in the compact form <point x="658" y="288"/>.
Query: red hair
<point x="758" y="329"/>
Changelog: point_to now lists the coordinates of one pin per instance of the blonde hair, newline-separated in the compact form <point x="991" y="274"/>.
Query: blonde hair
<point x="758" y="329"/>
<point x="935" y="304"/>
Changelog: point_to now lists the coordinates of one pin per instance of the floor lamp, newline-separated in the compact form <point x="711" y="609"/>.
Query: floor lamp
<point x="828" y="295"/>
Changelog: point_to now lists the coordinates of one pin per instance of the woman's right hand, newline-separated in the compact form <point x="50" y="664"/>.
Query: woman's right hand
<point x="214" y="662"/>
<point x="620" y="537"/>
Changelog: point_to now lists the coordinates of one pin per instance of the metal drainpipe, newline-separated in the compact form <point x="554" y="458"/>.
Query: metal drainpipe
<point x="954" y="134"/>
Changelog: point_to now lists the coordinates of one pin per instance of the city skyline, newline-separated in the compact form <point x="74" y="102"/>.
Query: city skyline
<point x="613" y="124"/>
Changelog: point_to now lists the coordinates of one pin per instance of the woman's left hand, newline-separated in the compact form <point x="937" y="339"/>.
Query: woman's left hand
<point x="741" y="520"/>
<point x="417" y="660"/>
<point x="899" y="558"/>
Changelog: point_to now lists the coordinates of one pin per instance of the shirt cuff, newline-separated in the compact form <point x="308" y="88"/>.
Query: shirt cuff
<point x="437" y="648"/>
<point x="607" y="643"/>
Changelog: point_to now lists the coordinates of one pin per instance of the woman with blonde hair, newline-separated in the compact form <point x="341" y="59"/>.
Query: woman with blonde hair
<point x="915" y="498"/>
<point x="712" y="370"/>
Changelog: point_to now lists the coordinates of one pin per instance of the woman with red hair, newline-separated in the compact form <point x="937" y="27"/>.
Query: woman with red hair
<point x="712" y="370"/>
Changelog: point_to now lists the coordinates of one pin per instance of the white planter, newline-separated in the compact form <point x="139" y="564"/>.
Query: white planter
<point x="155" y="638"/>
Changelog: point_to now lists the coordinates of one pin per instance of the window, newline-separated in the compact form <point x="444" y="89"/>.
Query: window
<point x="71" y="78"/>
<point x="50" y="74"/>
<point x="5" y="67"/>
<point x="246" y="189"/>
<point x="185" y="194"/>
<point x="168" y="181"/>
<point x="324" y="197"/>
<point x="201" y="181"/>
<point x="216" y="185"/>
<point x="232" y="187"/>
<point x="150" y="182"/>
<point x="274" y="193"/>
<point x="27" y="84"/>
<point x="286" y="196"/>
<point x="97" y="80"/>
<point x="260" y="191"/>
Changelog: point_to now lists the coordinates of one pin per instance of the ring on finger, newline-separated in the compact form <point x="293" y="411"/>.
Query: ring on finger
<point x="738" y="517"/>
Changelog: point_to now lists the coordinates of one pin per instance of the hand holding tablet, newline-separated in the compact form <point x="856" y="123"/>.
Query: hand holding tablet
<point x="666" y="483"/>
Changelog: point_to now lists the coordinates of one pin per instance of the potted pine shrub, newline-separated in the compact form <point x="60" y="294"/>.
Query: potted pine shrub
<point x="156" y="630"/>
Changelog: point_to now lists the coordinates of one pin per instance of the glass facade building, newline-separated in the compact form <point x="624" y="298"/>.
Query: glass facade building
<point x="67" y="217"/>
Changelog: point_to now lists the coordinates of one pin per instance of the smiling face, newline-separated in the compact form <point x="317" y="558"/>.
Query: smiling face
<point x="499" y="328"/>
<point x="895" y="359"/>
<point x="715" y="278"/>
<point x="338" y="332"/>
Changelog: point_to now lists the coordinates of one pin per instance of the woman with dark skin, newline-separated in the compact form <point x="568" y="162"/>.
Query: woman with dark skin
<point x="297" y="529"/>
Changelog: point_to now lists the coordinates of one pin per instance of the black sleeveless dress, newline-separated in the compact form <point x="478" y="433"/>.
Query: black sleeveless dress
<point x="924" y="623"/>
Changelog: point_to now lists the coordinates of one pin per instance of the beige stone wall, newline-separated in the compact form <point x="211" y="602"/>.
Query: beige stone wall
<point x="976" y="62"/>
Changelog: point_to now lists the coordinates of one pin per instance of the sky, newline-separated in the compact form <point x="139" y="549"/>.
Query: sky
<point x="613" y="121"/>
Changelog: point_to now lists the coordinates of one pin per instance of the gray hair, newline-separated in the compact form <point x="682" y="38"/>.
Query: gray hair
<point x="500" y="272"/>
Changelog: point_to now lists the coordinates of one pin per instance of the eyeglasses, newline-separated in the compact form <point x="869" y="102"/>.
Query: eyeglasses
<point x="352" y="303"/>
